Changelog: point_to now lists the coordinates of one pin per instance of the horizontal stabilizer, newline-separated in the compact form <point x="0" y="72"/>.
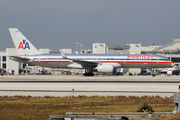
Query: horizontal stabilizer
<point x="21" y="58"/>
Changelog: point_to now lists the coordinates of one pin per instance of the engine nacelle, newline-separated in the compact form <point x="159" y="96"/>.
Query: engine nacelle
<point x="105" y="68"/>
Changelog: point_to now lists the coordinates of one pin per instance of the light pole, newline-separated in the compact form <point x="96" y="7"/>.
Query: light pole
<point x="170" y="52"/>
<point x="81" y="46"/>
<point x="77" y="43"/>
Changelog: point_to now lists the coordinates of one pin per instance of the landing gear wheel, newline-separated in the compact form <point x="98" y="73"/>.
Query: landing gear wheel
<point x="88" y="74"/>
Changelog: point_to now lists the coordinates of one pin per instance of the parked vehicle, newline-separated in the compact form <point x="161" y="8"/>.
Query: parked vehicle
<point x="130" y="74"/>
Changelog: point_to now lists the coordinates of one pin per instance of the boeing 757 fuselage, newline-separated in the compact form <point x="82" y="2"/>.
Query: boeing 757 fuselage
<point x="105" y="63"/>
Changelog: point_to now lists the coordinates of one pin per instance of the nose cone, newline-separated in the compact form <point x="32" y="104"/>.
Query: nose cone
<point x="172" y="64"/>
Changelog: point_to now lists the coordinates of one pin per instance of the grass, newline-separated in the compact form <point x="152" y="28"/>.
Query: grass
<point x="39" y="108"/>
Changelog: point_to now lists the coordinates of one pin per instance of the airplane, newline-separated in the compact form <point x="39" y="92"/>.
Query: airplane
<point x="103" y="63"/>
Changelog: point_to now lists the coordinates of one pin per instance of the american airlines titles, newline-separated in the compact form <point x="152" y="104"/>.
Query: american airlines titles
<point x="141" y="56"/>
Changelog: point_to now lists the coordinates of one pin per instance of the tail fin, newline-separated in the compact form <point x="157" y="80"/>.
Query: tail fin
<point x="22" y="44"/>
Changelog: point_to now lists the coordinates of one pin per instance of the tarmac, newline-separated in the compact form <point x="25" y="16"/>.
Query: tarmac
<point x="69" y="85"/>
<point x="92" y="78"/>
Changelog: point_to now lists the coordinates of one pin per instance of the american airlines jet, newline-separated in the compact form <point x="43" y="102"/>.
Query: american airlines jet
<point x="104" y="63"/>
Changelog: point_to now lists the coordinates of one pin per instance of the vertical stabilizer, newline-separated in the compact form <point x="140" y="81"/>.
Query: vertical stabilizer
<point x="22" y="44"/>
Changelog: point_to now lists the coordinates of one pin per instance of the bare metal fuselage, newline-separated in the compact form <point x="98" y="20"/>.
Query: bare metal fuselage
<point x="118" y="61"/>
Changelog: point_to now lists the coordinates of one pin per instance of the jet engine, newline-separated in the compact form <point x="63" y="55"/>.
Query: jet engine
<point x="105" y="68"/>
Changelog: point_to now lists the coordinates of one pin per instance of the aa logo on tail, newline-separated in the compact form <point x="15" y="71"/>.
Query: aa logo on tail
<point x="24" y="45"/>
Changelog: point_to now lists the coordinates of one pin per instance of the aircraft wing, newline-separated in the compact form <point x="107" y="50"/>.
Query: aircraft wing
<point x="82" y="62"/>
<point x="85" y="63"/>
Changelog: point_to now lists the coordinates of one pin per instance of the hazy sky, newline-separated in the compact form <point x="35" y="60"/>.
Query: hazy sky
<point x="60" y="23"/>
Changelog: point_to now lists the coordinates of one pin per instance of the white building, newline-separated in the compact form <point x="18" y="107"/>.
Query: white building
<point x="100" y="48"/>
<point x="6" y="63"/>
<point x="44" y="50"/>
<point x="67" y="51"/>
<point x="13" y="67"/>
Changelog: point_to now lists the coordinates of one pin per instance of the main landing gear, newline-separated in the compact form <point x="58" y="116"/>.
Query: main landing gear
<point x="88" y="72"/>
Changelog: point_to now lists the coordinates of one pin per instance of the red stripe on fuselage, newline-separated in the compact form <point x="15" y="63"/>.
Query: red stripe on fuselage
<point x="110" y="61"/>
<point x="133" y="61"/>
<point x="51" y="61"/>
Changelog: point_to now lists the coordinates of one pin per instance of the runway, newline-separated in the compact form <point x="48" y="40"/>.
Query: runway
<point x="85" y="79"/>
<point x="61" y="86"/>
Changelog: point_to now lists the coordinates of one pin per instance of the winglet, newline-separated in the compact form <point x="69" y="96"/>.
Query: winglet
<point x="63" y="55"/>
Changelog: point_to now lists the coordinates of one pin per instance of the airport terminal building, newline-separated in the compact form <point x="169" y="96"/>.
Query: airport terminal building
<point x="171" y="50"/>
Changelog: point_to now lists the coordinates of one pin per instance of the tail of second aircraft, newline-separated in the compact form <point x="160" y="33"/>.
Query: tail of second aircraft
<point x="22" y="44"/>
